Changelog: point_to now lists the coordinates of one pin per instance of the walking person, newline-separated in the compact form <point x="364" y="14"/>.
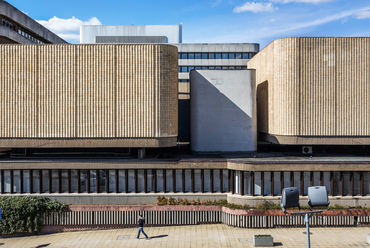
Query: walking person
<point x="141" y="222"/>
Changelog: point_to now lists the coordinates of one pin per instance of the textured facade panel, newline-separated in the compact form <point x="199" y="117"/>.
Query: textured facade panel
<point x="88" y="92"/>
<point x="314" y="90"/>
<point x="318" y="86"/>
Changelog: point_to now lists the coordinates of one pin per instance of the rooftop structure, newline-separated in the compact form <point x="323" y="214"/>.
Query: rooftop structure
<point x="90" y="34"/>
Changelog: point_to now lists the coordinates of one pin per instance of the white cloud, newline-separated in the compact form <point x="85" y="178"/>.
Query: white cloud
<point x="68" y="29"/>
<point x="255" y="7"/>
<point x="217" y="2"/>
<point x="303" y="1"/>
<point x="365" y="14"/>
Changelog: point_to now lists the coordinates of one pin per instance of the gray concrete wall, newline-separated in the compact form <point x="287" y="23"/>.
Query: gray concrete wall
<point x="223" y="111"/>
<point x="27" y="22"/>
<point x="88" y="33"/>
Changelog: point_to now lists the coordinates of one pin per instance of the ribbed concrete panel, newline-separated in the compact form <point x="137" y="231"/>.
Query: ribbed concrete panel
<point x="314" y="90"/>
<point x="353" y="86"/>
<point x="56" y="91"/>
<point x="126" y="93"/>
<point x="18" y="109"/>
<point x="286" y="87"/>
<point x="95" y="91"/>
<point x="318" y="86"/>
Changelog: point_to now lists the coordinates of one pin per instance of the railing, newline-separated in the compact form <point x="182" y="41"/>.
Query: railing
<point x="87" y="217"/>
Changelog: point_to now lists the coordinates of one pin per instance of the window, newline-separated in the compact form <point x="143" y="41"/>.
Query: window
<point x="231" y="55"/>
<point x="217" y="55"/>
<point x="218" y="67"/>
<point x="238" y="55"/>
<point x="207" y="180"/>
<point x="237" y="182"/>
<point x="211" y="56"/>
<point x="184" y="56"/>
<point x="225" y="180"/>
<point x="131" y="180"/>
<point x="198" y="68"/>
<point x="184" y="69"/>
<point x="121" y="181"/>
<point x="216" y="180"/>
<point x="191" y="68"/>
<point x="204" y="55"/>
<point x="169" y="181"/>
<point x="238" y="68"/>
<point x="191" y="56"/>
<point x="277" y="189"/>
<point x="225" y="56"/>
<point x="159" y="180"/>
<point x="149" y="178"/>
<point x="140" y="180"/>
<point x="178" y="180"/>
<point x="204" y="67"/>
<point x="83" y="181"/>
<point x="198" y="56"/>
<point x="245" y="56"/>
<point x="187" y="180"/>
<point x="225" y="67"/>
<point x="267" y="183"/>
<point x="257" y="183"/>
<point x="36" y="181"/>
<point x="211" y="67"/>
<point x="197" y="180"/>
<point x="45" y="181"/>
<point x="112" y="181"/>
<point x="231" y="67"/>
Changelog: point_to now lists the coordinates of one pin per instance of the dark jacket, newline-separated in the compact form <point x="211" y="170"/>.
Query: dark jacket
<point x="141" y="223"/>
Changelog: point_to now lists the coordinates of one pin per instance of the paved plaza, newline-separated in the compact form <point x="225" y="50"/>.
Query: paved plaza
<point x="194" y="236"/>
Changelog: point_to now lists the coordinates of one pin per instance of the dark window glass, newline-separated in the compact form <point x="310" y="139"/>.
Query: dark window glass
<point x="191" y="68"/>
<point x="183" y="80"/>
<point x="225" y="56"/>
<point x="179" y="68"/>
<point x="191" y="56"/>
<point x="211" y="56"/>
<point x="198" y="56"/>
<point x="231" y="55"/>
<point x="231" y="67"/>
<point x="204" y="55"/>
<point x="198" y="68"/>
<point x="238" y="55"/>
<point x="218" y="67"/>
<point x="184" y="56"/>
<point x="225" y="67"/>
<point x="244" y="67"/>
<point x="184" y="69"/>
<point x="238" y="67"/>
<point x="218" y="55"/>
<point x="211" y="67"/>
<point x="83" y="181"/>
<point x="179" y="55"/>
<point x="204" y="67"/>
<point x="102" y="179"/>
<point x="245" y="56"/>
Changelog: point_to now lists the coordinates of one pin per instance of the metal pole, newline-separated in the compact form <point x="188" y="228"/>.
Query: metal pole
<point x="307" y="219"/>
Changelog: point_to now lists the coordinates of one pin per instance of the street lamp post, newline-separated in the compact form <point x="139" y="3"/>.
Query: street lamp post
<point x="317" y="197"/>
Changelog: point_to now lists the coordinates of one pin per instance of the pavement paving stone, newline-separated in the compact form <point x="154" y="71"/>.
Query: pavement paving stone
<point x="193" y="236"/>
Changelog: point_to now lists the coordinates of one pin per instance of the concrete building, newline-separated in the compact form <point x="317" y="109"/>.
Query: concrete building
<point x="56" y="100"/>
<point x="223" y="111"/>
<point x="207" y="56"/>
<point x="226" y="56"/>
<point x="314" y="91"/>
<point x="17" y="27"/>
<point x="90" y="34"/>
<point x="78" y="97"/>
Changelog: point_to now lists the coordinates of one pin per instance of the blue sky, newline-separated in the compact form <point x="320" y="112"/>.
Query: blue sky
<point x="209" y="21"/>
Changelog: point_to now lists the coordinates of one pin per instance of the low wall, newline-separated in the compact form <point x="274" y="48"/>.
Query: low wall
<point x="83" y="217"/>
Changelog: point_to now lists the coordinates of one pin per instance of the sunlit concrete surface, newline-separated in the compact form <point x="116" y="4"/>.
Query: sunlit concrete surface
<point x="194" y="236"/>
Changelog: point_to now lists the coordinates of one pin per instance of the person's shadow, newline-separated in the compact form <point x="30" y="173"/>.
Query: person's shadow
<point x="158" y="237"/>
